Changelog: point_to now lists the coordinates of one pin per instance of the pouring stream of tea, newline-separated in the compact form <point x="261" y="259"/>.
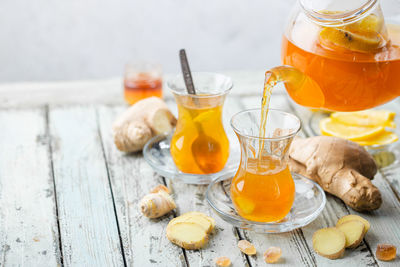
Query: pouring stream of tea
<point x="204" y="146"/>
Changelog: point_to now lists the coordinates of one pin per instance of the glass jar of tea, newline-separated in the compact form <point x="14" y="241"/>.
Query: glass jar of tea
<point x="340" y="55"/>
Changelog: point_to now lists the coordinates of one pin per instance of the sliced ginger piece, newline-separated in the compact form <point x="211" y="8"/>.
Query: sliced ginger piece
<point x="353" y="231"/>
<point x="223" y="261"/>
<point x="386" y="252"/>
<point x="329" y="242"/>
<point x="187" y="235"/>
<point x="246" y="247"/>
<point x="353" y="217"/>
<point x="202" y="220"/>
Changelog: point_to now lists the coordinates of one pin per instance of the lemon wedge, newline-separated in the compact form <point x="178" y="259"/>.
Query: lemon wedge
<point x="384" y="138"/>
<point x="350" y="132"/>
<point x="368" y="118"/>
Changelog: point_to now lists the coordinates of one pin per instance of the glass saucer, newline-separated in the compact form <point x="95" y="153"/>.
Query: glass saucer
<point x="386" y="156"/>
<point x="308" y="203"/>
<point x="157" y="154"/>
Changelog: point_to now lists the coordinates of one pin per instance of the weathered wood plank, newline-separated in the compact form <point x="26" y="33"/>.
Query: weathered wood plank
<point x="143" y="239"/>
<point x="87" y="220"/>
<point x="28" y="221"/>
<point x="191" y="198"/>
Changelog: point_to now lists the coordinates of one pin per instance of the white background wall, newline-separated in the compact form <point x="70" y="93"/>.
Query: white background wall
<point x="85" y="39"/>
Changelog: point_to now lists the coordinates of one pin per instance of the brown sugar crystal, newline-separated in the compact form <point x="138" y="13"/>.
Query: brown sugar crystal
<point x="385" y="252"/>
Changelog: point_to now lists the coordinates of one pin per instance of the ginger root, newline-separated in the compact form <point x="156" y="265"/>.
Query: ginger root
<point x="157" y="203"/>
<point x="329" y="242"/>
<point x="190" y="230"/>
<point x="341" y="167"/>
<point x="353" y="231"/>
<point x="140" y="122"/>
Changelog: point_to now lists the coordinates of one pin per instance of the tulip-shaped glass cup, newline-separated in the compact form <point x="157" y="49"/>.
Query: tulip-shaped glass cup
<point x="199" y="144"/>
<point x="263" y="189"/>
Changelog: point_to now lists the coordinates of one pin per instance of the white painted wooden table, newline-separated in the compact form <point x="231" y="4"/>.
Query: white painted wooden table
<point x="68" y="197"/>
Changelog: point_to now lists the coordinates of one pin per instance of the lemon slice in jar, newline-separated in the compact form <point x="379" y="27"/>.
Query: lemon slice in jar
<point x="362" y="36"/>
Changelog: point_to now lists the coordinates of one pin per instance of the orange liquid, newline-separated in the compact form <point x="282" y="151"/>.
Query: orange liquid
<point x="263" y="192"/>
<point x="190" y="119"/>
<point x="141" y="87"/>
<point x="349" y="80"/>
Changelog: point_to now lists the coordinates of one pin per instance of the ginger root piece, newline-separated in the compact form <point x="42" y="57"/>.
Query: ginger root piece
<point x="272" y="254"/>
<point x="140" y="122"/>
<point x="341" y="167"/>
<point x="353" y="231"/>
<point x="188" y="235"/>
<point x="159" y="188"/>
<point x="157" y="204"/>
<point x="205" y="222"/>
<point x="246" y="247"/>
<point x="329" y="242"/>
<point x="190" y="230"/>
<point x="353" y="217"/>
<point x="385" y="252"/>
<point x="223" y="261"/>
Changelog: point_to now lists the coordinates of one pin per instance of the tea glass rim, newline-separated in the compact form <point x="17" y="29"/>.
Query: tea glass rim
<point x="278" y="138"/>
<point x="170" y="81"/>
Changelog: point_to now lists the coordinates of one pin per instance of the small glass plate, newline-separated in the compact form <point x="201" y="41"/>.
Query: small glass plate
<point x="386" y="156"/>
<point x="157" y="154"/>
<point x="308" y="203"/>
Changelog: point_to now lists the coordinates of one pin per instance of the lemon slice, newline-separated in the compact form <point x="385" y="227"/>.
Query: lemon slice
<point x="355" y="41"/>
<point x="333" y="128"/>
<point x="368" y="118"/>
<point x="205" y="116"/>
<point x="362" y="36"/>
<point x="371" y="23"/>
<point x="384" y="138"/>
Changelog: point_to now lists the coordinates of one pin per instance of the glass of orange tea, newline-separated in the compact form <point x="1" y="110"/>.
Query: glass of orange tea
<point x="142" y="80"/>
<point x="263" y="189"/>
<point x="199" y="144"/>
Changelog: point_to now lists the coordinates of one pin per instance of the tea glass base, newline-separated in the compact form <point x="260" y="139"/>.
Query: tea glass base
<point x="157" y="154"/>
<point x="309" y="202"/>
<point x="386" y="156"/>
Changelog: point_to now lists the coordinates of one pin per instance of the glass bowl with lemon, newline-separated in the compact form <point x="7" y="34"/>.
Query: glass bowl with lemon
<point x="374" y="129"/>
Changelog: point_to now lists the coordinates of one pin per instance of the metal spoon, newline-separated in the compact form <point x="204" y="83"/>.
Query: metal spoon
<point x="205" y="149"/>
